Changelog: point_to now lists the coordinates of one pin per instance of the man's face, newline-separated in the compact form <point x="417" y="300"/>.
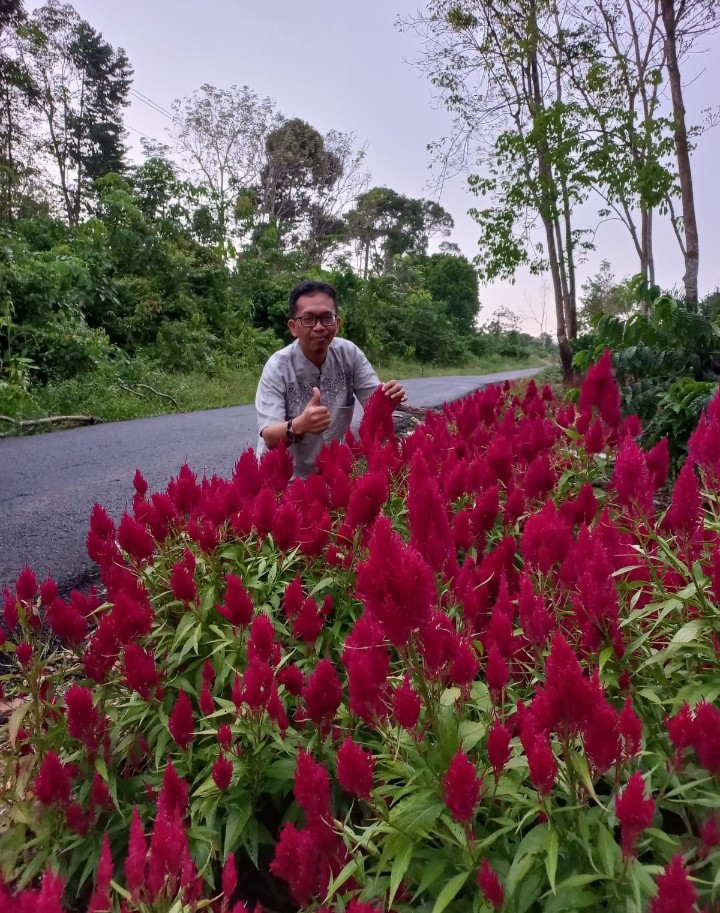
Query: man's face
<point x="315" y="340"/>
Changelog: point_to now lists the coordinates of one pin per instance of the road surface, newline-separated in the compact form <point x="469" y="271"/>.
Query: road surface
<point x="49" y="482"/>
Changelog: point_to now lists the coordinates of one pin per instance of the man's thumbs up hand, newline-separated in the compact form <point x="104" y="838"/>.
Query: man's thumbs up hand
<point x="314" y="418"/>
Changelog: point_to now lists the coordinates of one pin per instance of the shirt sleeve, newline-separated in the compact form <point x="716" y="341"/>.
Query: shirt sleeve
<point x="366" y="380"/>
<point x="270" y="402"/>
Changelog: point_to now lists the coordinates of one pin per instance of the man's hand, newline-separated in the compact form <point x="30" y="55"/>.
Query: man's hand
<point x="314" y="418"/>
<point x="395" y="392"/>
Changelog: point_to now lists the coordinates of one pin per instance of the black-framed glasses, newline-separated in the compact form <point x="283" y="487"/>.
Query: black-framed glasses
<point x="310" y="320"/>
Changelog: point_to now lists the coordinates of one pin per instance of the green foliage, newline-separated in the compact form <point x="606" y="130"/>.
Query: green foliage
<point x="666" y="359"/>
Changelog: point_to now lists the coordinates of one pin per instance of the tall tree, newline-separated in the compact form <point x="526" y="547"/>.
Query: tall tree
<point x="386" y="224"/>
<point x="496" y="67"/>
<point x="83" y="85"/>
<point x="220" y="135"/>
<point x="682" y="21"/>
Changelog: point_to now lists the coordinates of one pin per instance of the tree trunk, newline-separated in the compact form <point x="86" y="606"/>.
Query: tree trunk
<point x="682" y="153"/>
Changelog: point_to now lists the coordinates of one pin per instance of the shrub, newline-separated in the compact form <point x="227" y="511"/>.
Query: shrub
<point x="475" y="669"/>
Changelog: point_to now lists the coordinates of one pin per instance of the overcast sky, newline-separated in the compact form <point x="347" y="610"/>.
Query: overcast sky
<point x="344" y="66"/>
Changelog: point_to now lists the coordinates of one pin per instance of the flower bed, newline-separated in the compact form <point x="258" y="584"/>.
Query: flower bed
<point x="473" y="670"/>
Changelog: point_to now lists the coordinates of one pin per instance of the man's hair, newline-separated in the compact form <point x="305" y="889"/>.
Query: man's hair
<point x="310" y="287"/>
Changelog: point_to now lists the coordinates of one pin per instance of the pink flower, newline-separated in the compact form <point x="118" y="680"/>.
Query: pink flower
<point x="238" y="607"/>
<point x="134" y="539"/>
<point x="222" y="773"/>
<point x="262" y="638"/>
<point x="312" y="788"/>
<point x="498" y="747"/>
<point x="634" y="812"/>
<point x="26" y="585"/>
<point x="224" y="736"/>
<point x="136" y="861"/>
<point x="461" y="788"/>
<point x="309" y="622"/>
<point x="490" y="885"/>
<point x="84" y="722"/>
<point x="52" y="784"/>
<point x="182" y="583"/>
<point x="24" y="653"/>
<point x="298" y="862"/>
<point x="139" y="671"/>
<point x="182" y="721"/>
<point x="294" y="598"/>
<point x="206" y="700"/>
<point x="355" y="769"/>
<point x="676" y="893"/>
<point x="292" y="678"/>
<point x="229" y="878"/>
<point x="395" y="584"/>
<point x="322" y="693"/>
<point x="406" y="704"/>
<point x="367" y="497"/>
<point x="100" y="899"/>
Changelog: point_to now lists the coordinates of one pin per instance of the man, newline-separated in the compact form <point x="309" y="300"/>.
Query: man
<point x="306" y="394"/>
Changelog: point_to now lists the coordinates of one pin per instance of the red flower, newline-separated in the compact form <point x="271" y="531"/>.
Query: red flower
<point x="630" y="730"/>
<point x="100" y="900"/>
<point x="322" y="693"/>
<point x="173" y="796"/>
<point x="685" y="512"/>
<point x="461" y="788"/>
<point x="10" y="609"/>
<point x="294" y="598"/>
<point x="206" y="701"/>
<point x="367" y="497"/>
<point x="498" y="747"/>
<point x="496" y="672"/>
<point x="66" y="621"/>
<point x="309" y="622"/>
<point x="297" y="861"/>
<point x="84" y="722"/>
<point x="676" y="893"/>
<point x="634" y="812"/>
<point x="182" y="583"/>
<point x="26" y="585"/>
<point x="238" y="607"/>
<point x="229" y="878"/>
<point x="134" y="539"/>
<point x="706" y="737"/>
<point x="222" y="773"/>
<point x="52" y="784"/>
<point x="262" y="638"/>
<point x="182" y="722"/>
<point x="395" y="584"/>
<point x="24" y="653"/>
<point x="224" y="736"/>
<point x="100" y="794"/>
<point x="286" y="524"/>
<point x="406" y="705"/>
<point x="139" y="671"/>
<point x="312" y="788"/>
<point x="490" y="885"/>
<point x="292" y="678"/>
<point x="355" y="769"/>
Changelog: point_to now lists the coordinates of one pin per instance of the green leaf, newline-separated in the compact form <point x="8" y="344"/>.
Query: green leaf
<point x="237" y="819"/>
<point x="450" y="891"/>
<point x="16" y="718"/>
<point x="608" y="849"/>
<point x="551" y="858"/>
<point x="532" y="843"/>
<point x="399" y="867"/>
<point x="689" y="632"/>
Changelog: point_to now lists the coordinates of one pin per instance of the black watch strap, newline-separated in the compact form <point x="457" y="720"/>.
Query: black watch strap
<point x="292" y="438"/>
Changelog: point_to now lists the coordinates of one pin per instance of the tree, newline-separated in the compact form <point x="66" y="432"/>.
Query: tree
<point x="682" y="21"/>
<point x="83" y="84"/>
<point x="452" y="280"/>
<point x="603" y="294"/>
<point x="387" y="224"/>
<point x="498" y="70"/>
<point x="220" y="135"/>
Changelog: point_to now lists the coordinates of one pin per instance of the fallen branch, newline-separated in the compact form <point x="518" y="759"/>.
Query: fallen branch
<point x="151" y="389"/>
<point x="28" y="424"/>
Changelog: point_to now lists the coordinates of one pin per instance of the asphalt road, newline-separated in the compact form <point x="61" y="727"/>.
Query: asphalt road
<point x="49" y="482"/>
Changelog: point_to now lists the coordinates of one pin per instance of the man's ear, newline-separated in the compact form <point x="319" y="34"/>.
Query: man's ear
<point x="292" y="328"/>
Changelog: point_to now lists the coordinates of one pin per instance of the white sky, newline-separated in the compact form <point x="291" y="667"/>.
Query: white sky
<point x="341" y="65"/>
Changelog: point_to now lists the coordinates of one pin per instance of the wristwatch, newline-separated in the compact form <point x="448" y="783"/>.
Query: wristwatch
<point x="292" y="438"/>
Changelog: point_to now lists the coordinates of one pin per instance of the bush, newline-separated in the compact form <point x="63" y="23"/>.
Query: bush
<point x="474" y="670"/>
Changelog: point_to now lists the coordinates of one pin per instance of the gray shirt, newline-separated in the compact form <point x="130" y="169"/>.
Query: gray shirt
<point x="286" y="386"/>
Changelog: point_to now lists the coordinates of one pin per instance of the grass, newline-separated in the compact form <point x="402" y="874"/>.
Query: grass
<point x="139" y="390"/>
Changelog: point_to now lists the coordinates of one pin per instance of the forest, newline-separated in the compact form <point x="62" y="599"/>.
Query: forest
<point x="123" y="278"/>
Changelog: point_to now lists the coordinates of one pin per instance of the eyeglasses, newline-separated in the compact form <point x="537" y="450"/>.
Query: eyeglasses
<point x="310" y="320"/>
